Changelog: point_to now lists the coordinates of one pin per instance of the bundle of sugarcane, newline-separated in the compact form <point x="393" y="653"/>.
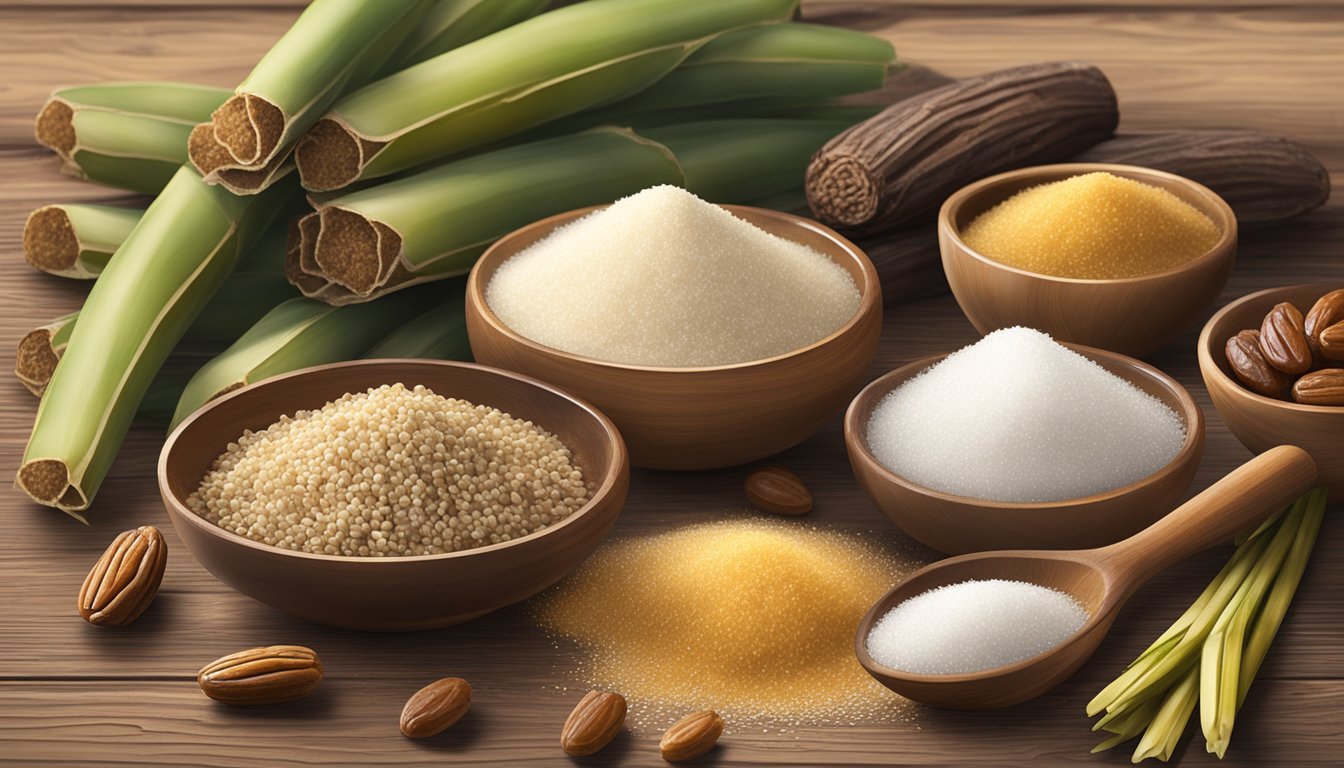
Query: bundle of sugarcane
<point x="357" y="90"/>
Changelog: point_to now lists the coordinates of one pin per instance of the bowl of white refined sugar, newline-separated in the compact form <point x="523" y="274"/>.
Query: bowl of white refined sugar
<point x="1021" y="442"/>
<point x="711" y="335"/>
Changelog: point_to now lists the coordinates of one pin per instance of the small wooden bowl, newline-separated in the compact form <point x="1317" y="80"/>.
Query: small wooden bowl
<point x="1132" y="315"/>
<point x="404" y="593"/>
<point x="1260" y="422"/>
<point x="960" y="524"/>
<point x="699" y="418"/>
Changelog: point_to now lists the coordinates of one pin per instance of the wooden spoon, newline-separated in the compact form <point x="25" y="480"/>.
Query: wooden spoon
<point x="1100" y="579"/>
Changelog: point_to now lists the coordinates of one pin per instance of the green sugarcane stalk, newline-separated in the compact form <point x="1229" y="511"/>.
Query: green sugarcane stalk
<point x="541" y="69"/>
<point x="1164" y="733"/>
<point x="75" y="240"/>
<point x="155" y="285"/>
<point x="126" y="135"/>
<point x="439" y="334"/>
<point x="333" y="47"/>
<point x="297" y="334"/>
<point x="452" y="24"/>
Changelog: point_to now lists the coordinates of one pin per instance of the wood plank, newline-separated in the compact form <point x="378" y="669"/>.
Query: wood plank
<point x="353" y="722"/>
<point x="73" y="694"/>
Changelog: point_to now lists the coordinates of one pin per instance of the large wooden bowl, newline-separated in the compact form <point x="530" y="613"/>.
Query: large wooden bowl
<point x="1133" y="315"/>
<point x="699" y="418"/>
<point x="405" y="593"/>
<point x="1260" y="422"/>
<point x="960" y="524"/>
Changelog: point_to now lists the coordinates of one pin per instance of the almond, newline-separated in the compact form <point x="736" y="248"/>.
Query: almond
<point x="125" y="579"/>
<point x="691" y="736"/>
<point x="776" y="489"/>
<point x="595" y="721"/>
<point x="1330" y="342"/>
<point x="1250" y="367"/>
<point x="266" y="675"/>
<point x="433" y="708"/>
<point x="1323" y="387"/>
<point x="1283" y="340"/>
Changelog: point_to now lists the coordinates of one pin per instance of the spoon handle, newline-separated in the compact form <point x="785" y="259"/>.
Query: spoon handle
<point x="1247" y="495"/>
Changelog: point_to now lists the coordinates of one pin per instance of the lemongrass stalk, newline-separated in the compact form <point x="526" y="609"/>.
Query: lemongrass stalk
<point x="1271" y="523"/>
<point x="1220" y="660"/>
<point x="434" y="224"/>
<point x="452" y="24"/>
<point x="75" y="240"/>
<point x="297" y="334"/>
<point x="1158" y="673"/>
<point x="1164" y="732"/>
<point x="126" y="135"/>
<point x="334" y="46"/>
<point x="1124" y="728"/>
<point x="439" y="334"/>
<point x="155" y="285"/>
<point x="546" y="67"/>
<point x="1275" y="608"/>
<point x="787" y="61"/>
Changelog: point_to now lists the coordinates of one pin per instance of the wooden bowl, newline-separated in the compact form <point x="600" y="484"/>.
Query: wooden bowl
<point x="707" y="417"/>
<point x="960" y="524"/>
<point x="1132" y="315"/>
<point x="1260" y="422"/>
<point x="404" y="593"/>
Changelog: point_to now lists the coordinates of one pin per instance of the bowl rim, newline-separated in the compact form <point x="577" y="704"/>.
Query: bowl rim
<point x="856" y="434"/>
<point x="1209" y="367"/>
<point x="1226" y="220"/>
<point x="870" y="290"/>
<point x="616" y="466"/>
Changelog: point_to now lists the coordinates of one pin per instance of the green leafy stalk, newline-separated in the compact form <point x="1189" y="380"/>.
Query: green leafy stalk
<point x="541" y="69"/>
<point x="439" y="334"/>
<point x="452" y="24"/>
<point x="155" y="285"/>
<point x="297" y="334"/>
<point x="127" y="135"/>
<point x="1164" y="733"/>
<point x="75" y="240"/>
<point x="334" y="46"/>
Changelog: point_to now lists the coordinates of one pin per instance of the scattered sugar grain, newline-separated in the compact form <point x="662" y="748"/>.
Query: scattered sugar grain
<point x="663" y="278"/>
<point x="1093" y="226"/>
<point x="974" y="626"/>
<point x="754" y="619"/>
<point x="1016" y="417"/>
<point x="391" y="472"/>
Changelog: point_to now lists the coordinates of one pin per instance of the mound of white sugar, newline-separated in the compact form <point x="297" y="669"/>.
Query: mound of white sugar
<point x="663" y="278"/>
<point x="973" y="626"/>
<point x="1016" y="417"/>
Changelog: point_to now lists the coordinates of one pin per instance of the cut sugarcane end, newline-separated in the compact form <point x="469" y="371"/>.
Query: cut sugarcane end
<point x="331" y="156"/>
<point x="49" y="241"/>
<point x="47" y="481"/>
<point x="55" y="128"/>
<point x="36" y="360"/>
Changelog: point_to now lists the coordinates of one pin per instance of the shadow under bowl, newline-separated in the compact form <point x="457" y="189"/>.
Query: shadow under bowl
<point x="1260" y="422"/>
<point x="955" y="524"/>
<point x="706" y="417"/>
<point x="1131" y="315"/>
<point x="395" y="593"/>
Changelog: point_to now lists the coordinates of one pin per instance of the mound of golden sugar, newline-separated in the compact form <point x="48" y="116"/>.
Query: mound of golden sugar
<point x="753" y="619"/>
<point x="1093" y="226"/>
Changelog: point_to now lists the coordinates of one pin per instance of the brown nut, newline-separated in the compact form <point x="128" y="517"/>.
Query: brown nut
<point x="595" y="721"/>
<point x="266" y="675"/>
<point x="1330" y="342"/>
<point x="691" y="736"/>
<point x="1323" y="387"/>
<point x="1327" y="311"/>
<point x="432" y="709"/>
<point x="1283" y="340"/>
<point x="1250" y="367"/>
<point x="125" y="579"/>
<point x="776" y="489"/>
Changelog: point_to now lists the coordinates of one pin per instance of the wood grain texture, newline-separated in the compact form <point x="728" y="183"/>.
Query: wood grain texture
<point x="71" y="694"/>
<point x="958" y="524"/>
<point x="704" y="417"/>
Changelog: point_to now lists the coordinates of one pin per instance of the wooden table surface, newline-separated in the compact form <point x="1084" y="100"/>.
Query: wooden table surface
<point x="74" y="694"/>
